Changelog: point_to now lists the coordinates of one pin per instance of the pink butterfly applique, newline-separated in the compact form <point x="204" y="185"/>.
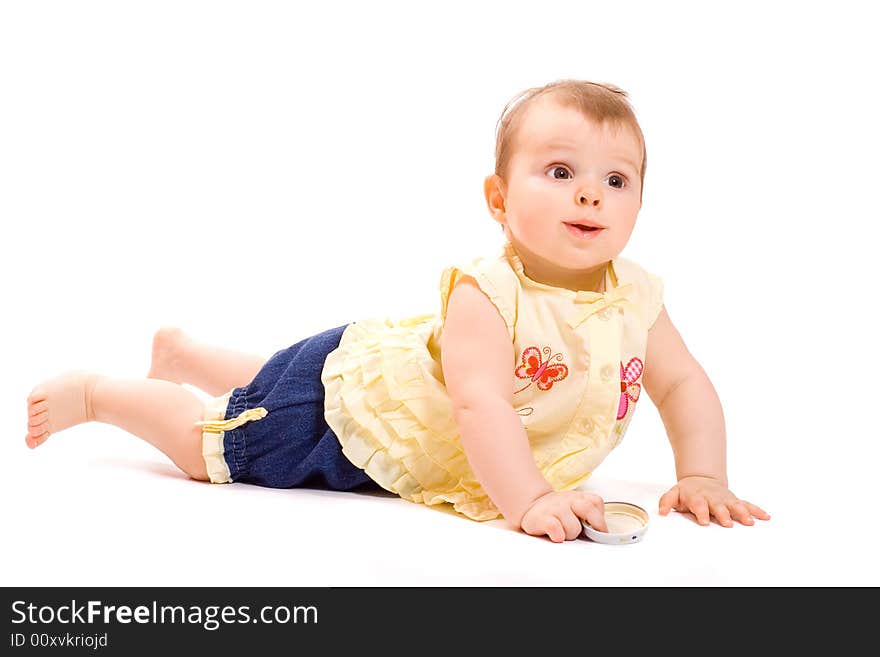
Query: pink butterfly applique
<point x="543" y="373"/>
<point x="629" y="389"/>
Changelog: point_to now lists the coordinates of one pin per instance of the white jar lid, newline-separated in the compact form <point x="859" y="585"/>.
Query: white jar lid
<point x="626" y="522"/>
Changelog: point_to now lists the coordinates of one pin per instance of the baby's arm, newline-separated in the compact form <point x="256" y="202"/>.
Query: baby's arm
<point x="691" y="412"/>
<point x="477" y="358"/>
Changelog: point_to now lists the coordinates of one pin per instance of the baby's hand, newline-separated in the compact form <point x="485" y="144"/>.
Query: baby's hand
<point x="705" y="497"/>
<point x="558" y="515"/>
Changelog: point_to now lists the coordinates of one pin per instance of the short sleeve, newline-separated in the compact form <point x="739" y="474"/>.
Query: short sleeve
<point x="654" y="299"/>
<point x="496" y="280"/>
<point x="648" y="295"/>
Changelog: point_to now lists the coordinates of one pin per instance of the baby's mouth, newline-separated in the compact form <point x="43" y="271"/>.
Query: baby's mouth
<point x="584" y="229"/>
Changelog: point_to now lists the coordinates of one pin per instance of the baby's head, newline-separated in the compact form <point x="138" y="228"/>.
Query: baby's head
<point x="567" y="153"/>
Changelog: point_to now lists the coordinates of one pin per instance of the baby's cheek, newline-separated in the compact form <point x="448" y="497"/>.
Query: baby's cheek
<point x="619" y="237"/>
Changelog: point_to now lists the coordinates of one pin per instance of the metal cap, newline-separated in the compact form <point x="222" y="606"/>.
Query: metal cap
<point x="626" y="522"/>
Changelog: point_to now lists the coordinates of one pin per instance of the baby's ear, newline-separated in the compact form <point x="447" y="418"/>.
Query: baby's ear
<point x="494" y="190"/>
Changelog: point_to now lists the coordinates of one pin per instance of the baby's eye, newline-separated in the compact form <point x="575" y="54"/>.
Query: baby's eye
<point x="616" y="181"/>
<point x="555" y="170"/>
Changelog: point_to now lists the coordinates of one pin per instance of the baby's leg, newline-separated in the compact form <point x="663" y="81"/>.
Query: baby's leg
<point x="216" y="370"/>
<point x="162" y="413"/>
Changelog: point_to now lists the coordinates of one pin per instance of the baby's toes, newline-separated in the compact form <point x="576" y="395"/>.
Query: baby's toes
<point x="34" y="441"/>
<point x="38" y="418"/>
<point x="36" y="426"/>
<point x="38" y="394"/>
<point x="36" y="407"/>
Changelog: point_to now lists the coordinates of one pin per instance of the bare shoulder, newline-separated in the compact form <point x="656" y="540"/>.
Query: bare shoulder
<point x="475" y="346"/>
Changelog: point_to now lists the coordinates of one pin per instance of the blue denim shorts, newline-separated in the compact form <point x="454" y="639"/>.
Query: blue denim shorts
<point x="290" y="445"/>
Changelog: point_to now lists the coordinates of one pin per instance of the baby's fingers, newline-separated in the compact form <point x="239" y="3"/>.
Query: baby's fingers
<point x="669" y="500"/>
<point x="700" y="508"/>
<point x="722" y="515"/>
<point x="592" y="510"/>
<point x="740" y="512"/>
<point x="757" y="511"/>
<point x="544" y="524"/>
<point x="572" y="525"/>
<point x="554" y="529"/>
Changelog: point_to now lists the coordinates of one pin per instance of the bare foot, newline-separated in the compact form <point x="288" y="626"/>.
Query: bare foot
<point x="59" y="403"/>
<point x="167" y="348"/>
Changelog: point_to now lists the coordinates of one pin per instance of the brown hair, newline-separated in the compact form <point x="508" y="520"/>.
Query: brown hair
<point x="602" y="103"/>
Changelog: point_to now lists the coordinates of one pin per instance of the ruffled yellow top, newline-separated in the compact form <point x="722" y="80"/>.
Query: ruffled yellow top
<point x="578" y="374"/>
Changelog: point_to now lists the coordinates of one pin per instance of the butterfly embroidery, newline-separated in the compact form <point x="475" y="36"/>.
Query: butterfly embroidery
<point x="629" y="389"/>
<point x="541" y="372"/>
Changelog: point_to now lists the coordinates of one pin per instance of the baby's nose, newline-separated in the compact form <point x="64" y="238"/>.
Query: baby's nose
<point x="588" y="199"/>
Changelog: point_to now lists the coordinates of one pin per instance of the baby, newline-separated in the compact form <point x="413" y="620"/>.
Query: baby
<point x="503" y="402"/>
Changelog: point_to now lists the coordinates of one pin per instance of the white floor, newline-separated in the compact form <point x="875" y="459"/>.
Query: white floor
<point x="96" y="507"/>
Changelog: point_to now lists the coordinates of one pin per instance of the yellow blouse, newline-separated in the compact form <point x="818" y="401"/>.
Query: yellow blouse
<point x="579" y="363"/>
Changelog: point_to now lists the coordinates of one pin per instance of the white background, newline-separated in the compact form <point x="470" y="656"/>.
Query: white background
<point x="257" y="172"/>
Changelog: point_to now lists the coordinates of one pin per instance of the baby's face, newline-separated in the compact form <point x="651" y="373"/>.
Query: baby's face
<point x="568" y="169"/>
